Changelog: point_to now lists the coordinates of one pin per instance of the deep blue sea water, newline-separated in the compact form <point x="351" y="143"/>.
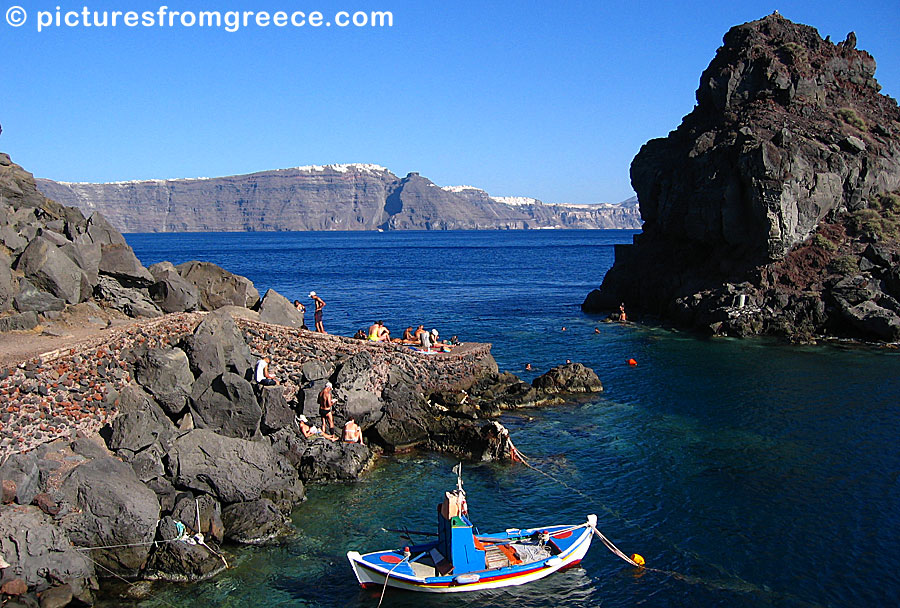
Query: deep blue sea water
<point x="752" y="473"/>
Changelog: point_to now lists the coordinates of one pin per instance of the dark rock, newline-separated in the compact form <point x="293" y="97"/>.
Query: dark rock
<point x="102" y="232"/>
<point x="170" y="291"/>
<point x="233" y="470"/>
<point x="22" y="470"/>
<point x="326" y="460"/>
<point x="406" y="420"/>
<point x="218" y="287"/>
<point x="363" y="406"/>
<point x="253" y="522"/>
<point x="308" y="398"/>
<point x="37" y="549"/>
<point x="86" y="256"/>
<point x="569" y="378"/>
<point x="20" y="322"/>
<point x="188" y="509"/>
<point x="8" y="284"/>
<point x="31" y="298"/>
<point x="58" y="596"/>
<point x="278" y="310"/>
<point x="180" y="561"/>
<point x="872" y="319"/>
<point x="140" y="422"/>
<point x="45" y="503"/>
<point x="218" y="346"/>
<point x="133" y="302"/>
<point x="166" y="374"/>
<point x="314" y="369"/>
<point x="51" y="270"/>
<point x="112" y="508"/>
<point x="356" y="372"/>
<point x="276" y="413"/>
<point x="226" y="404"/>
<point x="14" y="587"/>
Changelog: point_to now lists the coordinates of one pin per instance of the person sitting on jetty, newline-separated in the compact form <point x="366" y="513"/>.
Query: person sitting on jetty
<point x="439" y="344"/>
<point x="320" y="304"/>
<point x="310" y="430"/>
<point x="352" y="432"/>
<point x="409" y="336"/>
<point x="264" y="377"/>
<point x="379" y="333"/>
<point x="326" y="406"/>
<point x="360" y="334"/>
<point x="302" y="310"/>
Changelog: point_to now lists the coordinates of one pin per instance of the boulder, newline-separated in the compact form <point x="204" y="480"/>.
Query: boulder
<point x="326" y="460"/>
<point x="253" y="522"/>
<point x="30" y="298"/>
<point x="8" y="284"/>
<point x="21" y="470"/>
<point x="51" y="270"/>
<point x="12" y="240"/>
<point x="871" y="319"/>
<point x="233" y="470"/>
<point x="278" y="310"/>
<point x="101" y="232"/>
<point x="180" y="561"/>
<point x="362" y="406"/>
<point x="276" y="413"/>
<point x="406" y="420"/>
<point x="170" y="291"/>
<point x="218" y="346"/>
<point x="226" y="404"/>
<point x="210" y="511"/>
<point x="19" y="322"/>
<point x="308" y="398"/>
<point x="356" y="372"/>
<point x="140" y="422"/>
<point x="568" y="378"/>
<point x="133" y="302"/>
<point x="87" y="256"/>
<point x="166" y="374"/>
<point x="38" y="550"/>
<point x="314" y="369"/>
<point x="110" y="507"/>
<point x="118" y="260"/>
<point x="218" y="287"/>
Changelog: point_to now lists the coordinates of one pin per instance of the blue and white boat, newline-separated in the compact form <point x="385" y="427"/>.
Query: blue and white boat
<point x="461" y="559"/>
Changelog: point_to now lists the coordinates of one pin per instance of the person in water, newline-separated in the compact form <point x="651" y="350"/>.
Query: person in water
<point x="326" y="406"/>
<point x="320" y="304"/>
<point x="622" y="317"/>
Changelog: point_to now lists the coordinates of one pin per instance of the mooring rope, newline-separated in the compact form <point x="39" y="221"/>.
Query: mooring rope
<point x="737" y="584"/>
<point x="383" y="589"/>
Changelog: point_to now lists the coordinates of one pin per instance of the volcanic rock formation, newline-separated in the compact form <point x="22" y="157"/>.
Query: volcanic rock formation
<point x="780" y="186"/>
<point x="332" y="197"/>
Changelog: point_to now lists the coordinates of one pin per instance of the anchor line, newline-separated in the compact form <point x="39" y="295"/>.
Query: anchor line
<point x="742" y="586"/>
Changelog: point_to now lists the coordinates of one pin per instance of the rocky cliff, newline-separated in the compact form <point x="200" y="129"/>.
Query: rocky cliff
<point x="780" y="186"/>
<point x="333" y="197"/>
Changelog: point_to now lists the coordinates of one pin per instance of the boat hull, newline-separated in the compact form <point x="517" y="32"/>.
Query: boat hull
<point x="370" y="573"/>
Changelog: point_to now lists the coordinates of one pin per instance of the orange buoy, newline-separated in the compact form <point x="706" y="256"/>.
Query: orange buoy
<point x="632" y="362"/>
<point x="638" y="559"/>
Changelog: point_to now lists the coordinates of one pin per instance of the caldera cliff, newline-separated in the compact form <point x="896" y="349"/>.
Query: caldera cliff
<point x="773" y="208"/>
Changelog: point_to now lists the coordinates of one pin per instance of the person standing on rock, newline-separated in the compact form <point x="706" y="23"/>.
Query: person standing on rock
<point x="326" y="406"/>
<point x="320" y="304"/>
<point x="263" y="376"/>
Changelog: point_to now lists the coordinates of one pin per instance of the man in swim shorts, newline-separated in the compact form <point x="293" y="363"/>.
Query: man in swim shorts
<point x="320" y="304"/>
<point x="326" y="406"/>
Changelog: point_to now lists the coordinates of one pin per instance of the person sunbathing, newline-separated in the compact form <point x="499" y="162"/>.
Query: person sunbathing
<point x="379" y="333"/>
<point x="310" y="430"/>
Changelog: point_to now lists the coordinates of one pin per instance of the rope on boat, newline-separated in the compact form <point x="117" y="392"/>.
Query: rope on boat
<point x="383" y="589"/>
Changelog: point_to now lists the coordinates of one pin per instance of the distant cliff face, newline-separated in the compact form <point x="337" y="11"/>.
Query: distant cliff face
<point x="333" y="197"/>
<point x="790" y="145"/>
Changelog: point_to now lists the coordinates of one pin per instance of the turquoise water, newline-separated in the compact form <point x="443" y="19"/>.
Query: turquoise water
<point x="751" y="473"/>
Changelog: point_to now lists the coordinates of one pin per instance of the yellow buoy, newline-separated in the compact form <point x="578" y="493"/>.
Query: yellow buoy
<point x="638" y="559"/>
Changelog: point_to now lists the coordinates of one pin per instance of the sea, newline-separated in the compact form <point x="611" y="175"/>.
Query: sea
<point x="746" y="472"/>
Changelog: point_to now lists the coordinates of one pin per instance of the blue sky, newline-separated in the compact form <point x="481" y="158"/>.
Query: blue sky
<point x="543" y="99"/>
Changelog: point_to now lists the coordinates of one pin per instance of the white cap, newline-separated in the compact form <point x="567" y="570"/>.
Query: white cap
<point x="434" y="332"/>
<point x="312" y="294"/>
<point x="302" y="418"/>
<point x="328" y="385"/>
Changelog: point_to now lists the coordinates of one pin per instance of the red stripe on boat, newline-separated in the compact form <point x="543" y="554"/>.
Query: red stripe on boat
<point x="565" y="534"/>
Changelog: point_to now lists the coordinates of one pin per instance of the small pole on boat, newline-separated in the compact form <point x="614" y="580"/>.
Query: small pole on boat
<point x="458" y="470"/>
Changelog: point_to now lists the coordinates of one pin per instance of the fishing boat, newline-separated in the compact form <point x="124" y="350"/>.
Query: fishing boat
<point x="458" y="558"/>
